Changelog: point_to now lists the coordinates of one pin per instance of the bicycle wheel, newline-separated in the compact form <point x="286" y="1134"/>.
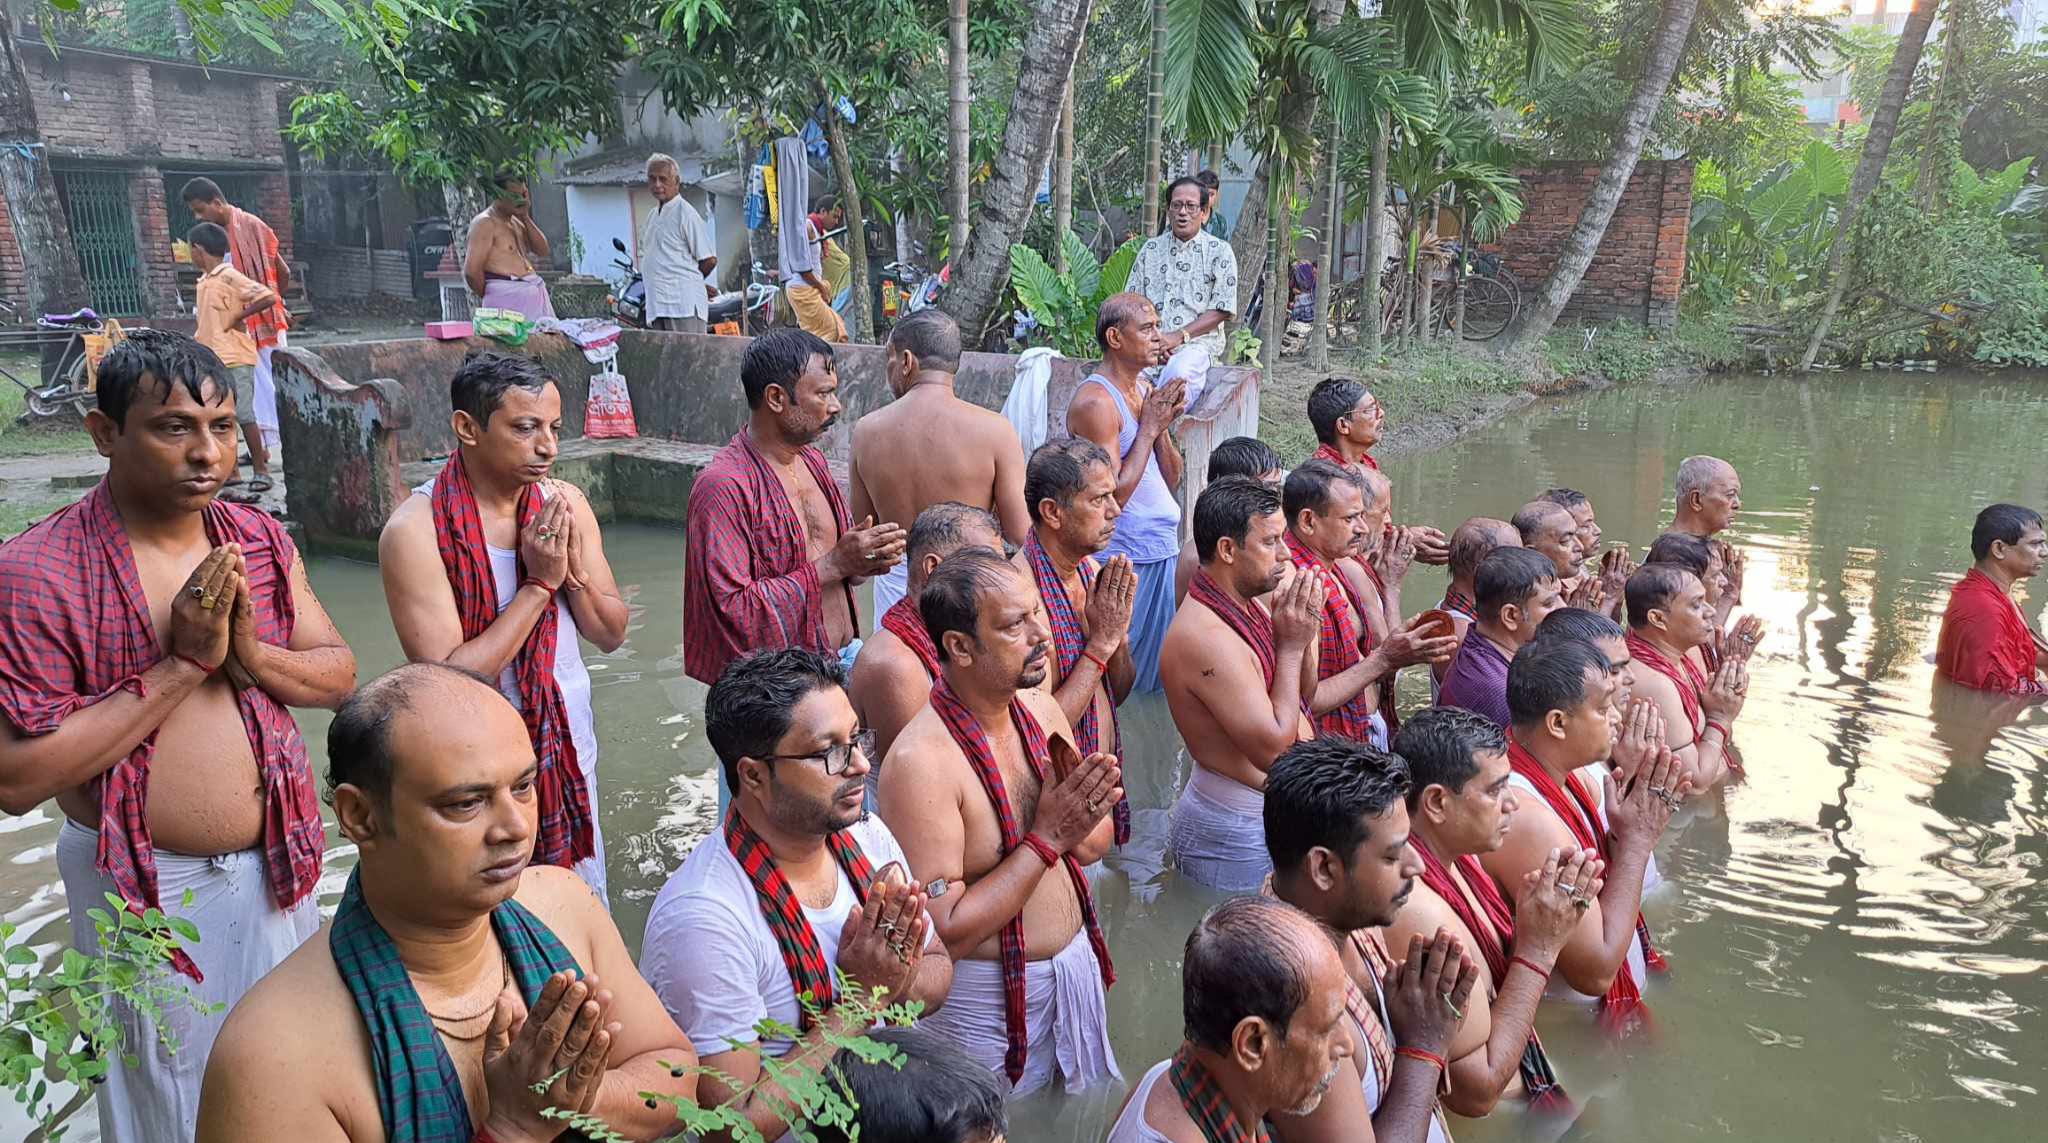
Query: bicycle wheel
<point x="1489" y="307"/>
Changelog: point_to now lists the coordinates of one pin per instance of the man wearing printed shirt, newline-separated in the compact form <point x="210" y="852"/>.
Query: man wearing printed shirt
<point x="1190" y="275"/>
<point x="676" y="254"/>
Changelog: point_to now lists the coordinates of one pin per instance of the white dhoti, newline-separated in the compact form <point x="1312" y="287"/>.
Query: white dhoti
<point x="890" y="587"/>
<point x="1219" y="833"/>
<point x="1066" y="1015"/>
<point x="266" y="397"/>
<point x="243" y="935"/>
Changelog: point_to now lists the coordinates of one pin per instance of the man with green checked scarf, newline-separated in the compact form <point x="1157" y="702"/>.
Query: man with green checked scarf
<point x="457" y="977"/>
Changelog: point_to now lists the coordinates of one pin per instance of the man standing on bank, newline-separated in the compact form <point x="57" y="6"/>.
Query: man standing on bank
<point x="254" y="253"/>
<point x="770" y="555"/>
<point x="493" y="567"/>
<point x="928" y="446"/>
<point x="676" y="253"/>
<point x="505" y="249"/>
<point x="155" y="638"/>
<point x="1148" y="463"/>
<point x="1189" y="275"/>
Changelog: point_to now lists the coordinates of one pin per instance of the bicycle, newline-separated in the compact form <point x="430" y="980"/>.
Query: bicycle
<point x="1477" y="307"/>
<point x="87" y="339"/>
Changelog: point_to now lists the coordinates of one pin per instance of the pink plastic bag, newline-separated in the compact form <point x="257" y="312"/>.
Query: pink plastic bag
<point x="609" y="412"/>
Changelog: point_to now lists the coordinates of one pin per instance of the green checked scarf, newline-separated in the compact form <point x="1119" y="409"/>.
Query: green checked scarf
<point x="418" y="1090"/>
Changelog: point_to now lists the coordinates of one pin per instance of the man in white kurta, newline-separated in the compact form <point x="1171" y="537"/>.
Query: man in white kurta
<point x="676" y="254"/>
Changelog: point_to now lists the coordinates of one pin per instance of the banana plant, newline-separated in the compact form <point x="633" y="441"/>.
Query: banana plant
<point x="1064" y="305"/>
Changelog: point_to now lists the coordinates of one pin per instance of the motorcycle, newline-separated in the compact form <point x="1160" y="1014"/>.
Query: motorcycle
<point x="751" y="309"/>
<point x="629" y="303"/>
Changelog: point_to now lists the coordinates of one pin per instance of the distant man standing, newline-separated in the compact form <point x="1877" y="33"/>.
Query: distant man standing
<point x="505" y="246"/>
<point x="770" y="555"/>
<point x="224" y="300"/>
<point x="254" y="253"/>
<point x="1986" y="642"/>
<point x="1117" y="409"/>
<point x="928" y="446"/>
<point x="676" y="254"/>
<point x="1189" y="275"/>
<point x="493" y="567"/>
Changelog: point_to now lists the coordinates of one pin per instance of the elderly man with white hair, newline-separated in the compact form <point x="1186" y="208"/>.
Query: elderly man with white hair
<point x="1709" y="496"/>
<point x="676" y="254"/>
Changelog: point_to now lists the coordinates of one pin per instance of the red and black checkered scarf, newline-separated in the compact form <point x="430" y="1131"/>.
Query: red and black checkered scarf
<point x="1203" y="1099"/>
<point x="1249" y="623"/>
<point x="1623" y="1007"/>
<point x="1069" y="639"/>
<point x="974" y="746"/>
<point x="903" y="621"/>
<point x="1494" y="931"/>
<point x="79" y="629"/>
<point x="1340" y="645"/>
<point x="1329" y="452"/>
<point x="566" y="831"/>
<point x="808" y="971"/>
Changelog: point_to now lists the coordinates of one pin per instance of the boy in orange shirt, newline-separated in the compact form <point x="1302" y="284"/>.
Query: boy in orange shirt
<point x="227" y="298"/>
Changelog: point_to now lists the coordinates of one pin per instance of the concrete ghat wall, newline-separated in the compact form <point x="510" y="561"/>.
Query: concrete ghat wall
<point x="352" y="416"/>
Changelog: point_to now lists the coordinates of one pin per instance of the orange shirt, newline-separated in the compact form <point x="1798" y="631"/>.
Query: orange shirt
<point x="224" y="292"/>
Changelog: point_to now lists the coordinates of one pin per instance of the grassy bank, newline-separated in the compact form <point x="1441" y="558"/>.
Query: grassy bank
<point x="16" y="439"/>
<point x="1434" y="391"/>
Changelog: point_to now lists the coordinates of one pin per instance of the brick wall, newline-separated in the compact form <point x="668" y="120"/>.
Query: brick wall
<point x="1640" y="267"/>
<point x="145" y="109"/>
<point x="152" y="228"/>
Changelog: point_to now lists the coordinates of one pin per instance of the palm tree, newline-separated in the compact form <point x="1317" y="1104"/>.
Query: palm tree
<point x="1155" y="121"/>
<point x="1667" y="44"/>
<point x="958" y="98"/>
<point x="1063" y="171"/>
<point x="1876" y="146"/>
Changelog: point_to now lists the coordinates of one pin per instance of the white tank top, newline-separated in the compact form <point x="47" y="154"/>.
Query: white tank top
<point x="1636" y="963"/>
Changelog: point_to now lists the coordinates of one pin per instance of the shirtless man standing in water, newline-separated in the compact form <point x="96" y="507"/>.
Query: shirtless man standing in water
<point x="929" y="446"/>
<point x="504" y="245"/>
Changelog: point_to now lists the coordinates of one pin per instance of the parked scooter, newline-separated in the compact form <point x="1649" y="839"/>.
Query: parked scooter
<point x="629" y="304"/>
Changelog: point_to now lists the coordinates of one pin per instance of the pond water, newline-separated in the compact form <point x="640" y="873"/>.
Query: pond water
<point x="1858" y="933"/>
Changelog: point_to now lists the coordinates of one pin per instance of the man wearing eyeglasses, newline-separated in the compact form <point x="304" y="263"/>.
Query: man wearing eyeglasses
<point x="1190" y="274"/>
<point x="797" y="893"/>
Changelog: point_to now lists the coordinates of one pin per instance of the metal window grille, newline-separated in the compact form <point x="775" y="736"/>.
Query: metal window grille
<point x="103" y="230"/>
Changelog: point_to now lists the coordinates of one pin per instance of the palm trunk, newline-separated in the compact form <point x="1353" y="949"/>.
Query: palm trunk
<point x="1326" y="262"/>
<point x="1247" y="232"/>
<point x="1375" y="234"/>
<point x="958" y="98"/>
<point x="1216" y="157"/>
<point x="1063" y="177"/>
<point x="49" y="261"/>
<point x="1276" y="285"/>
<point x="863" y="331"/>
<point x="1876" y="146"/>
<point x="1425" y="277"/>
<point x="1674" y="25"/>
<point x="1155" y="122"/>
<point x="1045" y="68"/>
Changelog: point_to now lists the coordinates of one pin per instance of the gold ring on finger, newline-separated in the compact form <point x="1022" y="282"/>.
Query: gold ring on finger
<point x="208" y="602"/>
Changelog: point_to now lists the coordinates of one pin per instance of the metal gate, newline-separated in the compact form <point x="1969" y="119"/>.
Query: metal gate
<point x="103" y="230"/>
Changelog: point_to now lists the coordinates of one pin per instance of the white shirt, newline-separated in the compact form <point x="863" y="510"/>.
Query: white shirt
<point x="708" y="952"/>
<point x="672" y="241"/>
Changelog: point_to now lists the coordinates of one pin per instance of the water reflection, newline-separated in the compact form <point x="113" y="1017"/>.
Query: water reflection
<point x="1856" y="933"/>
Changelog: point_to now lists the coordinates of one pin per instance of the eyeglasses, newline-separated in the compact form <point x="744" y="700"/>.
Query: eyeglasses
<point x="838" y="757"/>
<point x="1183" y="207"/>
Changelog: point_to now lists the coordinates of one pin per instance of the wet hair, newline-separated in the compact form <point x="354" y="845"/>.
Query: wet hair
<point x="1331" y="400"/>
<point x="1243" y="456"/>
<point x="359" y="739"/>
<point x="943" y="528"/>
<point x="1529" y="518"/>
<point x="1212" y="185"/>
<point x="933" y="1092"/>
<point x="1227" y="507"/>
<point x="504" y="179"/>
<point x="1323" y="793"/>
<point x="210" y="238"/>
<point x="1565" y="498"/>
<point x="750" y="707"/>
<point x="2005" y="522"/>
<point x="1508" y="576"/>
<point x="1201" y="191"/>
<point x="485" y="376"/>
<point x="1578" y="623"/>
<point x="1693" y="553"/>
<point x="931" y="336"/>
<point x="1440" y="745"/>
<point x="166" y="359"/>
<point x="1653" y="586"/>
<point x="951" y="599"/>
<point x="779" y="357"/>
<point x="1238" y="965"/>
<point x="1550" y="674"/>
<point x="1058" y="470"/>
<point x="1471" y="542"/>
<point x="1312" y="486"/>
<point x="1695" y="473"/>
<point x="200" y="190"/>
<point x="1116" y="310"/>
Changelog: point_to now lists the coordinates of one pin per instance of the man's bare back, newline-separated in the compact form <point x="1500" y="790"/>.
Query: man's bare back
<point x="928" y="447"/>
<point x="1202" y="655"/>
<point x="935" y="805"/>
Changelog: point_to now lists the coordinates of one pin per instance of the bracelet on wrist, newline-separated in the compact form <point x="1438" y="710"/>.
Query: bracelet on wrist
<point x="536" y="581"/>
<point x="1042" y="848"/>
<point x="1425" y="1056"/>
<point x="203" y="668"/>
<point x="1101" y="664"/>
<point x="1531" y="965"/>
<point x="1717" y="724"/>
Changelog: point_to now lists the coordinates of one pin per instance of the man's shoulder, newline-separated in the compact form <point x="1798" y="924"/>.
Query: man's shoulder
<point x="49" y="551"/>
<point x="709" y="881"/>
<point x="298" y="1011"/>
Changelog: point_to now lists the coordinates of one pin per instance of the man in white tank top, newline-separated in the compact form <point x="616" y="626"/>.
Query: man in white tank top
<point x="1245" y="1057"/>
<point x="493" y="509"/>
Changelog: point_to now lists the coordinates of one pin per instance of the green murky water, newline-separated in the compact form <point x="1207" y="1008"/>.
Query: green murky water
<point x="1858" y="934"/>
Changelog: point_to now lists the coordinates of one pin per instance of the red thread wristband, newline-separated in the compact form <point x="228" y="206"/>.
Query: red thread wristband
<point x="536" y="581"/>
<point x="203" y="668"/>
<point x="1715" y="724"/>
<point x="1042" y="848"/>
<point x="1531" y="965"/>
<point x="1098" y="662"/>
<point x="1425" y="1057"/>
